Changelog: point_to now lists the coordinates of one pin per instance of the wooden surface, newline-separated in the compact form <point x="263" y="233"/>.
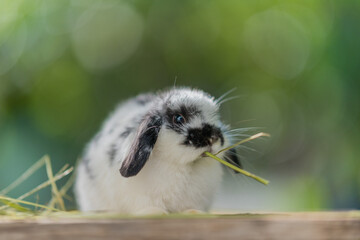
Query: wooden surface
<point x="327" y="225"/>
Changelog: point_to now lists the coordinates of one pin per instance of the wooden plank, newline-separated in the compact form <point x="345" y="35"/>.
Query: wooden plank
<point x="331" y="225"/>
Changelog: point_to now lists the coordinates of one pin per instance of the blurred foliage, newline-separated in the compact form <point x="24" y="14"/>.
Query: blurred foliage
<point x="64" y="65"/>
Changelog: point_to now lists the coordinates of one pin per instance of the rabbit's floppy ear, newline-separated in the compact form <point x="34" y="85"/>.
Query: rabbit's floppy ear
<point x="232" y="157"/>
<point x="142" y="146"/>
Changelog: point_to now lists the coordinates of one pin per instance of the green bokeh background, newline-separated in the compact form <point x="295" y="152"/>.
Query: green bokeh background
<point x="65" y="64"/>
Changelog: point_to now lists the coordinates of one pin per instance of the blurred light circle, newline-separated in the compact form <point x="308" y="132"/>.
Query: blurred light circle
<point x="277" y="42"/>
<point x="316" y="21"/>
<point x="61" y="100"/>
<point x="9" y="12"/>
<point x="11" y="47"/>
<point x="326" y="96"/>
<point x="185" y="34"/>
<point x="106" y="35"/>
<point x="201" y="28"/>
<point x="43" y="49"/>
<point x="264" y="108"/>
<point x="55" y="16"/>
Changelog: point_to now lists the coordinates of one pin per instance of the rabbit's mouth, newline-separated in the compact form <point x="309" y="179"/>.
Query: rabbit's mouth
<point x="210" y="150"/>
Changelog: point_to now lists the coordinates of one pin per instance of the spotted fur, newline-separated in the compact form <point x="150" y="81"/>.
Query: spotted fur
<point x="160" y="160"/>
<point x="127" y="131"/>
<point x="143" y="145"/>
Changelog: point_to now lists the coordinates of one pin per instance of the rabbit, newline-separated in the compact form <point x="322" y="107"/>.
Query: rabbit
<point x="148" y="157"/>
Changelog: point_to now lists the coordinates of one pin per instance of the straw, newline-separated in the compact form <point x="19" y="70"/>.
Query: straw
<point x="242" y="171"/>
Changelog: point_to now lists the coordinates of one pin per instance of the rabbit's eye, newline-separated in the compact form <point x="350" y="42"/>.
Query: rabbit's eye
<point x="179" y="119"/>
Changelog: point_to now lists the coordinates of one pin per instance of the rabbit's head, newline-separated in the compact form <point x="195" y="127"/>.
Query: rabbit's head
<point x="182" y="125"/>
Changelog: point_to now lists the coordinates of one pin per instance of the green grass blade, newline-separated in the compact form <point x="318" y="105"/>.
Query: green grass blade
<point x="261" y="134"/>
<point x="24" y="176"/>
<point x="64" y="189"/>
<point x="54" y="188"/>
<point x="57" y="177"/>
<point x="28" y="203"/>
<point x="47" y="183"/>
<point x="246" y="173"/>
<point x="16" y="206"/>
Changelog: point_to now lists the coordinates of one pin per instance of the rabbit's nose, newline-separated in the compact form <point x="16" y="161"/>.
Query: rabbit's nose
<point x="205" y="136"/>
<point x="213" y="139"/>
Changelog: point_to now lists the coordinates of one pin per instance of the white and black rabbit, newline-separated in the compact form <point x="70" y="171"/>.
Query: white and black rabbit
<point x="157" y="141"/>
